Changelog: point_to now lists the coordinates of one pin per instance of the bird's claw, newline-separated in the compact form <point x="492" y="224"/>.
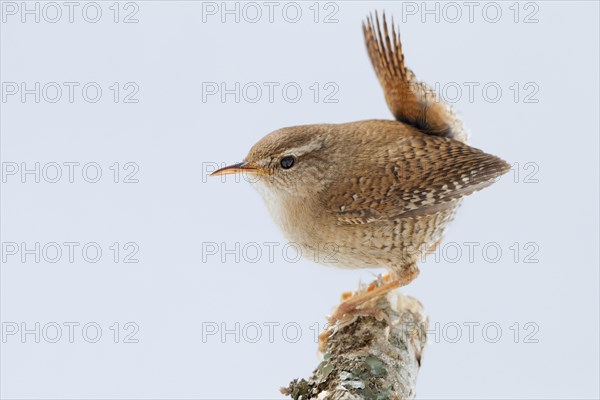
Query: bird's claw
<point x="354" y="306"/>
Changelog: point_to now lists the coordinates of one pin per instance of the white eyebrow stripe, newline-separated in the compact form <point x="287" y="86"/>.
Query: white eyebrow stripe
<point x="315" y="144"/>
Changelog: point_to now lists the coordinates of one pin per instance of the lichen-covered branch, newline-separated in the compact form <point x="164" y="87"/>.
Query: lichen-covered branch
<point x="376" y="356"/>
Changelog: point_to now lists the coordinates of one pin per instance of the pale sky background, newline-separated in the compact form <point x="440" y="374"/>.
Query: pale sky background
<point x="532" y="276"/>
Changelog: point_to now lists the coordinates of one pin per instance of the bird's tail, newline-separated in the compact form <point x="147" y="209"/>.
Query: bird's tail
<point x="410" y="101"/>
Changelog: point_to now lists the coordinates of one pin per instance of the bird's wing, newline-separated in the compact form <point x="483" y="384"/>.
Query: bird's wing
<point x="421" y="175"/>
<point x="410" y="101"/>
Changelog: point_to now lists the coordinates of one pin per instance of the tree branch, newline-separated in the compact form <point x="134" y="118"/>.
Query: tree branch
<point x="376" y="356"/>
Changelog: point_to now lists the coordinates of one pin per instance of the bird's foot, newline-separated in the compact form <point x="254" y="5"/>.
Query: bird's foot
<point x="381" y="279"/>
<point x="361" y="303"/>
<point x="336" y="324"/>
<point x="364" y="302"/>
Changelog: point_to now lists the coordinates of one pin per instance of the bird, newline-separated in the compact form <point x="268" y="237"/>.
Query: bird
<point x="381" y="192"/>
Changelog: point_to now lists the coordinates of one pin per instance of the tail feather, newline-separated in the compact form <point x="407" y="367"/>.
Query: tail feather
<point x="410" y="101"/>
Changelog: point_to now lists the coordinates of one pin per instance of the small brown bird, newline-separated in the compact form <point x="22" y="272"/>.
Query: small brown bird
<point x="381" y="192"/>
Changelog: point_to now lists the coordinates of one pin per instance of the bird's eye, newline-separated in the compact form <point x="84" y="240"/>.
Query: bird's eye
<point x="287" y="162"/>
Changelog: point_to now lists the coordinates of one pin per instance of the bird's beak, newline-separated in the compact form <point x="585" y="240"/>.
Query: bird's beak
<point x="242" y="167"/>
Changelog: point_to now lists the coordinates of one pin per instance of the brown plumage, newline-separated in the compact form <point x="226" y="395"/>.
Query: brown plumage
<point x="376" y="192"/>
<point x="409" y="100"/>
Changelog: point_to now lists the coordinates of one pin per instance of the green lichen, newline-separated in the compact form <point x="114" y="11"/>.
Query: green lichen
<point x="377" y="367"/>
<point x="363" y="360"/>
<point x="374" y="393"/>
<point x="397" y="341"/>
<point x="346" y="376"/>
<point x="298" y="389"/>
<point x="352" y="385"/>
<point x="324" y="369"/>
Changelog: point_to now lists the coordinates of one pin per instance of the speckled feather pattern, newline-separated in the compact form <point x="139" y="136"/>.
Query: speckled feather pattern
<point x="376" y="193"/>
<point x="396" y="193"/>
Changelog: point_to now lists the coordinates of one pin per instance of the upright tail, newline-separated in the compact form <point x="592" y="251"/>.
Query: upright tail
<point x="410" y="101"/>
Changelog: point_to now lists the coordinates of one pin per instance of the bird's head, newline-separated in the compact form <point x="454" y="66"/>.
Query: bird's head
<point x="295" y="160"/>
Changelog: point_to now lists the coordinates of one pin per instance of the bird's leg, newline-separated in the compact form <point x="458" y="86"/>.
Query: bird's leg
<point x="356" y="304"/>
<point x="376" y="283"/>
